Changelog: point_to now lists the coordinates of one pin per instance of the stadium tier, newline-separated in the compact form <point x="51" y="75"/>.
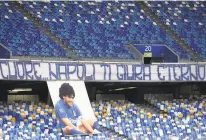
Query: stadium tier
<point x="186" y="116"/>
<point x="97" y="29"/>
<point x="100" y="29"/>
<point x="27" y="121"/>
<point x="187" y="19"/>
<point x="38" y="121"/>
<point x="184" y="119"/>
<point x="22" y="37"/>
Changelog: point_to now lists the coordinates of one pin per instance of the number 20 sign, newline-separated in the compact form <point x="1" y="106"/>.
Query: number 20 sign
<point x="148" y="48"/>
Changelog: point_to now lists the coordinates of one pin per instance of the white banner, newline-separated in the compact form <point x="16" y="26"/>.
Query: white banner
<point x="18" y="70"/>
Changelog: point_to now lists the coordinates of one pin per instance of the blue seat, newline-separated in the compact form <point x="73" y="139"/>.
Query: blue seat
<point x="17" y="121"/>
<point x="89" y="25"/>
<point x="22" y="37"/>
<point x="190" y="22"/>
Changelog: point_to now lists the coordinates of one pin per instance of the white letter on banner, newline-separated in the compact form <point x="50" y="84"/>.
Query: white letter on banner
<point x="113" y="72"/>
<point x="29" y="70"/>
<point x="53" y="75"/>
<point x="120" y="71"/>
<point x="176" y="72"/>
<point x="193" y="73"/>
<point x="4" y="70"/>
<point x="38" y="68"/>
<point x="90" y="72"/>
<point x="129" y="72"/>
<point x="99" y="72"/>
<point x="185" y="72"/>
<point x="169" y="71"/>
<point x="147" y="72"/>
<point x="160" y="72"/>
<point x="81" y="72"/>
<point x="20" y="70"/>
<point x="201" y="72"/>
<point x="62" y="71"/>
<point x="137" y="68"/>
<point x="72" y="71"/>
<point x="12" y="71"/>
<point x="154" y="72"/>
<point x="107" y="71"/>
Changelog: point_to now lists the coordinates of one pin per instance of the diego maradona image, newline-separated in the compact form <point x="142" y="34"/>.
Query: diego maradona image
<point x="70" y="116"/>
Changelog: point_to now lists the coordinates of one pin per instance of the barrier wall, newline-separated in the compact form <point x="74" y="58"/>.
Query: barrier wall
<point x="46" y="71"/>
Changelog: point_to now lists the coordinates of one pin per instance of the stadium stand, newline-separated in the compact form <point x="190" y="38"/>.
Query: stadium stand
<point x="159" y="116"/>
<point x="183" y="118"/>
<point x="22" y="37"/>
<point x="101" y="30"/>
<point x="122" y="117"/>
<point x="103" y="27"/>
<point x="185" y="18"/>
<point x="26" y="120"/>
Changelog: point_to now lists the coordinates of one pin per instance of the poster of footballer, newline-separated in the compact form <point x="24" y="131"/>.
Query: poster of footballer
<point x="73" y="108"/>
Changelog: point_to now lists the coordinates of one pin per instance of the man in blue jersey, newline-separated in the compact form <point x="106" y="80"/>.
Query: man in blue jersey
<point x="69" y="114"/>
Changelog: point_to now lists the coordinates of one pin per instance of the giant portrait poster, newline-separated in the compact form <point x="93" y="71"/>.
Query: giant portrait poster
<point x="73" y="108"/>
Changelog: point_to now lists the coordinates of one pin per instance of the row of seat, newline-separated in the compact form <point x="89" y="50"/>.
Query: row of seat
<point x="100" y="26"/>
<point x="187" y="19"/>
<point x="136" y="122"/>
<point x="22" y="37"/>
<point x="26" y="120"/>
<point x="100" y="29"/>
<point x="189" y="113"/>
<point x="183" y="118"/>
